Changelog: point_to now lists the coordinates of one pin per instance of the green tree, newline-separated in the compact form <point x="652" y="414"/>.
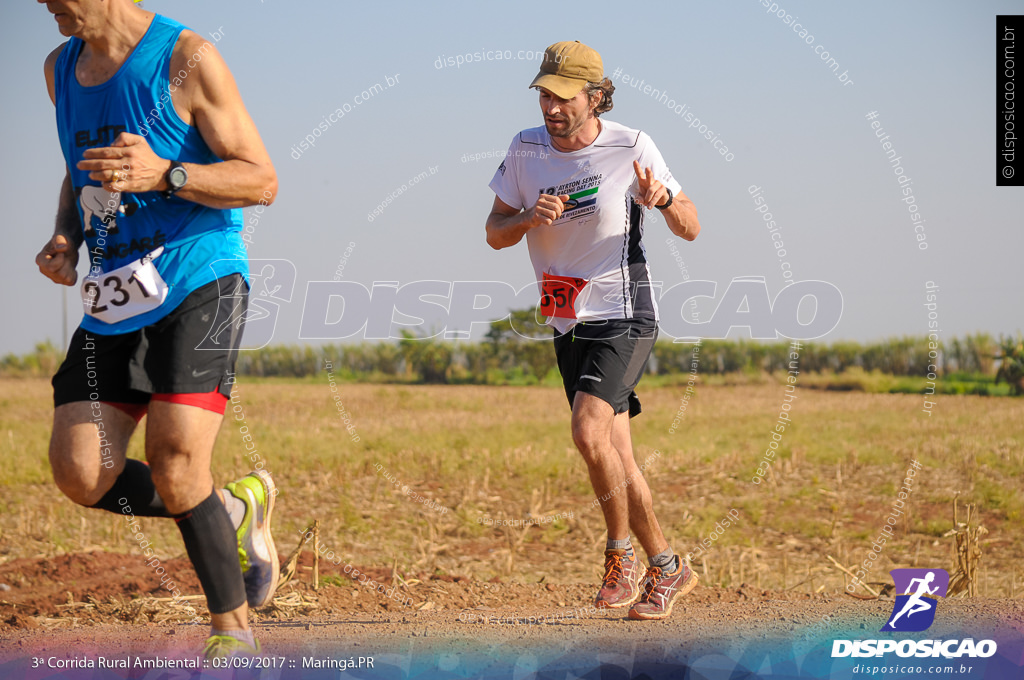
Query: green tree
<point x="1011" y="363"/>
<point x="522" y="341"/>
<point x="426" y="357"/>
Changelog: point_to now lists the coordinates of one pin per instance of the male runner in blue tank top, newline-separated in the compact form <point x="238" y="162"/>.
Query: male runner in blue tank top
<point x="161" y="156"/>
<point x="577" y="188"/>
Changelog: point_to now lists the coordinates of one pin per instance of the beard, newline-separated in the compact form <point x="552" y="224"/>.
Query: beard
<point x="568" y="129"/>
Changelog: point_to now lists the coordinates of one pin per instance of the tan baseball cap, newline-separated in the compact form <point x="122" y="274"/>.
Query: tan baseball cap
<point x="567" y="67"/>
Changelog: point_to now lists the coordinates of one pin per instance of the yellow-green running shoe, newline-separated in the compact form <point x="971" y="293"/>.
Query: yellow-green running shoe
<point x="256" y="550"/>
<point x="225" y="646"/>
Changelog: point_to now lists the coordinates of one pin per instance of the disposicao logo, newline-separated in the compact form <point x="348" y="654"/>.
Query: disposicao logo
<point x="914" y="610"/>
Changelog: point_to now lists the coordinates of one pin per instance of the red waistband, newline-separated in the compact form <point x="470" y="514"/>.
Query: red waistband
<point x="210" y="401"/>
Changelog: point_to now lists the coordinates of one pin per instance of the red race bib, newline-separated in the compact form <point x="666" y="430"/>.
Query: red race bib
<point x="559" y="293"/>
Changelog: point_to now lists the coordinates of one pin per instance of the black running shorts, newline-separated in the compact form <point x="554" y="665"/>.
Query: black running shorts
<point x="606" y="360"/>
<point x="191" y="350"/>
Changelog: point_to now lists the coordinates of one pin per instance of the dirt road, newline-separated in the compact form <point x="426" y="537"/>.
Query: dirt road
<point x="73" y="609"/>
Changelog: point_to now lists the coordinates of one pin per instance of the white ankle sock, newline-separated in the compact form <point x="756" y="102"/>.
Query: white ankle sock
<point x="240" y="635"/>
<point x="235" y="508"/>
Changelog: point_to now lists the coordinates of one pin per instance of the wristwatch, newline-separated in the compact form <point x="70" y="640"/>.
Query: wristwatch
<point x="177" y="175"/>
<point x="667" y="203"/>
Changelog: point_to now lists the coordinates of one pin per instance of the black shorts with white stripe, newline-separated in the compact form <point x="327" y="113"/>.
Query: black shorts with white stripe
<point x="606" y="359"/>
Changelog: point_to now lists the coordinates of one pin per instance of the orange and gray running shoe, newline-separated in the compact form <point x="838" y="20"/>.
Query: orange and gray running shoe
<point x="661" y="590"/>
<point x="620" y="585"/>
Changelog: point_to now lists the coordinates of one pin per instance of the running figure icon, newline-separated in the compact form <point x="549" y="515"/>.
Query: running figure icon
<point x="915" y="603"/>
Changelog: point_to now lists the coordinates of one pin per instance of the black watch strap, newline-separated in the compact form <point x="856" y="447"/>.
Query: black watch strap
<point x="667" y="203"/>
<point x="176" y="178"/>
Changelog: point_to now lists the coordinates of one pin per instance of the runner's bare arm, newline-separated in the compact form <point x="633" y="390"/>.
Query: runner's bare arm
<point x="48" y="68"/>
<point x="506" y="225"/>
<point x="59" y="257"/>
<point x="208" y="99"/>
<point x="681" y="216"/>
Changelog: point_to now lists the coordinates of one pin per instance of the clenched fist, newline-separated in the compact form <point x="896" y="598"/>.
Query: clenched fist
<point x="547" y="209"/>
<point x="58" y="259"/>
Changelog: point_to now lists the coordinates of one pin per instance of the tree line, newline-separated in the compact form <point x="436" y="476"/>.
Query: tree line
<point x="505" y="356"/>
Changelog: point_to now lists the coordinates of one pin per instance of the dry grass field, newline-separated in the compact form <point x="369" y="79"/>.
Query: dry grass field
<point x="468" y="481"/>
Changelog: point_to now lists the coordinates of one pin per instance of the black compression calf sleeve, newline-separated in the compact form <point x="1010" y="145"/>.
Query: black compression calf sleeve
<point x="134" y="493"/>
<point x="213" y="548"/>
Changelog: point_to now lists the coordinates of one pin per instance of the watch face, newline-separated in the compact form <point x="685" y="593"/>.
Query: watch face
<point x="177" y="177"/>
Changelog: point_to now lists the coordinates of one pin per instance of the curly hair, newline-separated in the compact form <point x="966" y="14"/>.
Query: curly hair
<point x="607" y="89"/>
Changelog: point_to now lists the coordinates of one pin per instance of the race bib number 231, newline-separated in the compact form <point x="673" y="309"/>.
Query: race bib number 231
<point x="135" y="288"/>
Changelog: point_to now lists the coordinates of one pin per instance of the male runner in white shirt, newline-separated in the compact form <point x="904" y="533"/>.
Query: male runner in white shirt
<point x="577" y="188"/>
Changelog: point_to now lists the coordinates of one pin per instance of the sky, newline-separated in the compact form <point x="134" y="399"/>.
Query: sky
<point x="793" y="128"/>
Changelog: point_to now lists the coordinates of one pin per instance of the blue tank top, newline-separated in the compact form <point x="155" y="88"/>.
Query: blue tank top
<point x="201" y="244"/>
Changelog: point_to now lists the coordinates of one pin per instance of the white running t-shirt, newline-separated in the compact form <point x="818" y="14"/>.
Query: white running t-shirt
<point x="598" y="238"/>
